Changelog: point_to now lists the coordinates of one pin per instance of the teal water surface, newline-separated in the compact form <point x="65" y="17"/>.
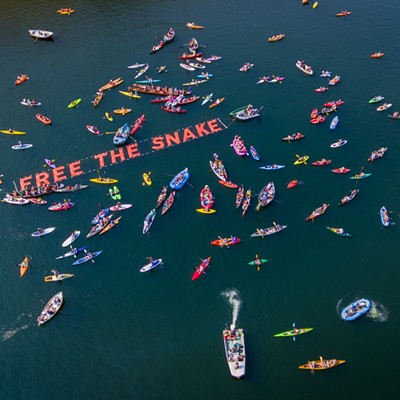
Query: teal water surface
<point x="126" y="335"/>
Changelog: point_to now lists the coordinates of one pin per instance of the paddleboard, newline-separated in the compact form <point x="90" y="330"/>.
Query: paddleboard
<point x="74" y="235"/>
<point x="43" y="232"/>
<point x="121" y="207"/>
<point x="21" y="146"/>
<point x="72" y="252"/>
<point x="56" y="278"/>
<point x="205" y="211"/>
<point x="151" y="265"/>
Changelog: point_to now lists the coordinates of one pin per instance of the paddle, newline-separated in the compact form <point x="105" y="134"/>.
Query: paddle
<point x="294" y="327"/>
<point x="109" y="133"/>
<point x="258" y="266"/>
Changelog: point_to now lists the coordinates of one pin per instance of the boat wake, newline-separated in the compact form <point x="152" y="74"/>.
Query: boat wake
<point x="232" y="296"/>
<point x="378" y="312"/>
<point x="8" y="331"/>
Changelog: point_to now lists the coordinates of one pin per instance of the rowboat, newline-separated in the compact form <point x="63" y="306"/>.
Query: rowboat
<point x="104" y="181"/>
<point x="120" y="207"/>
<point x="317" y="212"/>
<point x="294" y="332"/>
<point x="40" y="34"/>
<point x="334" y="123"/>
<point x="376" y="99"/>
<point x="268" y="231"/>
<point x="200" y="270"/>
<point x="246" y="66"/>
<point x="206" y="198"/>
<point x="341" y="170"/>
<point x="42" y="118"/>
<point x="321" y="364"/>
<point x="130" y="94"/>
<point x="226" y="242"/>
<point x="88" y="257"/>
<point x="23" y="267"/>
<point x="148" y="221"/>
<point x="18" y="201"/>
<point x="114" y="193"/>
<point x="192" y="25"/>
<point x="180" y="179"/>
<point x="235" y="351"/>
<point x="71" y="238"/>
<point x="111" y="225"/>
<point x="301" y="160"/>
<point x="73" y="252"/>
<point x="147" y="179"/>
<point x="162" y="196"/>
<point x="207" y="98"/>
<point x="30" y="103"/>
<point x="355" y="310"/>
<point x="51" y="309"/>
<point x="218" y="168"/>
<point x="41" y="232"/>
<point x="122" y="135"/>
<point x="304" y="67"/>
<point x="239" y="146"/>
<point x="246" y="202"/>
<point x="344" y="13"/>
<point x="338" y="231"/>
<point x="112" y="83"/>
<point x="74" y="103"/>
<point x="384" y="214"/>
<point x="275" y="38"/>
<point x="384" y="106"/>
<point x="152" y="264"/>
<point x="266" y="195"/>
<point x="65" y="11"/>
<point x="239" y="196"/>
<point x="339" y="143"/>
<point x="57" y="277"/>
<point x="378" y="54"/>
<point x="321" y="163"/>
<point x="61" y="206"/>
<point x="21" y="78"/>
<point x="122" y="111"/>
<point x="228" y="184"/>
<point x="272" y="167"/>
<point x="347" y="199"/>
<point x="361" y="175"/>
<point x="293" y="183"/>
<point x="377" y="154"/>
<point x="246" y="112"/>
<point x="21" y="146"/>
<point x="294" y="136"/>
<point x="254" y="153"/>
<point x="168" y="202"/>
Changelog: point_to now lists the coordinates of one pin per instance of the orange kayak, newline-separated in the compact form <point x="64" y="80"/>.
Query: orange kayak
<point x="43" y="119"/>
<point x="21" y="78"/>
<point x="377" y="55"/>
<point x="23" y="267"/>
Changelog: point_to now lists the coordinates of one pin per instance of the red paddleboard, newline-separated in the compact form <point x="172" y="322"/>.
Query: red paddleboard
<point x="292" y="183"/>
<point x="228" y="184"/>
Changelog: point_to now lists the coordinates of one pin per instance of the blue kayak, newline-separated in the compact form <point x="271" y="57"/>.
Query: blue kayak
<point x="88" y="257"/>
<point x="272" y="167"/>
<point x="147" y="81"/>
<point x="254" y="153"/>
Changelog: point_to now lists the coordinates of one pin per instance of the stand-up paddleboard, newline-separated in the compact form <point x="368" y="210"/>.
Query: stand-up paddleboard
<point x="21" y="146"/>
<point x="41" y="232"/>
<point x="120" y="207"/>
<point x="74" y="235"/>
<point x="72" y="252"/>
<point x="151" y="265"/>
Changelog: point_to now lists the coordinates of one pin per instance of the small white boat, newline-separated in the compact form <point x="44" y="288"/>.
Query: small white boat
<point x="74" y="235"/>
<point x="151" y="265"/>
<point x="235" y="351"/>
<point x="187" y="66"/>
<point x="19" y="201"/>
<point x="41" y="232"/>
<point x="136" y="65"/>
<point x="21" y="146"/>
<point x="207" y="99"/>
<point x="384" y="107"/>
<point x="304" y="67"/>
<point x="40" y="34"/>
<point x="339" y="143"/>
<point x="51" y="308"/>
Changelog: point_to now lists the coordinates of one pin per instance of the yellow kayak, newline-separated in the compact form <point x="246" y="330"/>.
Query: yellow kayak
<point x="12" y="132"/>
<point x="301" y="160"/>
<point x="130" y="94"/>
<point x="122" y="111"/>
<point x="109" y="116"/>
<point x="56" y="278"/>
<point x="105" y="181"/>
<point x="147" y="179"/>
<point x="315" y="5"/>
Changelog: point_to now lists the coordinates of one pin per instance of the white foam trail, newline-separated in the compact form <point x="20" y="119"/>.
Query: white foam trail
<point x="232" y="296"/>
<point x="378" y="312"/>
<point x="7" y="332"/>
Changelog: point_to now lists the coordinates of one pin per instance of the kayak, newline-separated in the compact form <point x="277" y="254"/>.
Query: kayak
<point x="269" y="231"/>
<point x="12" y="132"/>
<point x="122" y="111"/>
<point x="114" y="193"/>
<point x="72" y="252"/>
<point x="93" y="129"/>
<point x="258" y="261"/>
<point x="207" y="99"/>
<point x="110" y="225"/>
<point x="384" y="107"/>
<point x="272" y="167"/>
<point x="120" y="207"/>
<point x="206" y="210"/>
<point x="61" y="206"/>
<point x="111" y="84"/>
<point x="346" y="199"/>
<point x="108" y="116"/>
<point x="339" y="143"/>
<point x="228" y="184"/>
<point x="376" y="99"/>
<point x="74" y="235"/>
<point x="361" y="175"/>
<point x="201" y="268"/>
<point x="133" y="95"/>
<point x="151" y="265"/>
<point x="384" y="214"/>
<point x="41" y="232"/>
<point x="226" y="242"/>
<point x="65" y="11"/>
<point x="22" y="146"/>
<point x="216" y="102"/>
<point x="294" y="332"/>
<point x="56" y="278"/>
<point x="21" y="78"/>
<point x="378" y="54"/>
<point x="338" y="231"/>
<point x="301" y="160"/>
<point x="88" y="257"/>
<point x="105" y="181"/>
<point x="50" y="163"/>
<point x="321" y="163"/>
<point x="74" y="103"/>
<point x="23" y="267"/>
<point x="254" y="153"/>
<point x="292" y="184"/>
<point x="334" y="123"/>
<point x="42" y="118"/>
<point x="341" y="170"/>
<point x="147" y="179"/>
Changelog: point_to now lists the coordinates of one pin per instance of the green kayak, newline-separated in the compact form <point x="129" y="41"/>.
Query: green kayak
<point x="114" y="193"/>
<point x="258" y="261"/>
<point x="74" y="103"/>
<point x="293" y="332"/>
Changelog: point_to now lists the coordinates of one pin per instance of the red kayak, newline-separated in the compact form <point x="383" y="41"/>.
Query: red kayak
<point x="314" y="113"/>
<point x="321" y="163"/>
<point x="201" y="268"/>
<point x="177" y="110"/>
<point x="43" y="119"/>
<point x="292" y="184"/>
<point x="61" y="206"/>
<point x="185" y="56"/>
<point x="226" y="242"/>
<point x="317" y="120"/>
<point x="228" y="184"/>
<point x="341" y="170"/>
<point x="138" y="123"/>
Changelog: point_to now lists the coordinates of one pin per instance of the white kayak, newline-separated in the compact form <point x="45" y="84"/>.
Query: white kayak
<point x="74" y="235"/>
<point x="120" y="207"/>
<point x="151" y="265"/>
<point x="21" y="146"/>
<point x="207" y="99"/>
<point x="41" y="232"/>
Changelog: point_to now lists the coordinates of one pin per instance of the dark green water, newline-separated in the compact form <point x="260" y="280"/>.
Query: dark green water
<point x="127" y="335"/>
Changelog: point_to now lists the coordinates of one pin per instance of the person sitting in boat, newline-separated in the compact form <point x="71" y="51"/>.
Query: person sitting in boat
<point x="40" y="230"/>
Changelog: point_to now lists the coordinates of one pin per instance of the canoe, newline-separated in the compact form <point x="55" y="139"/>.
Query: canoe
<point x="57" y="278"/>
<point x="272" y="167"/>
<point x="12" y="132"/>
<point x="21" y="78"/>
<point x="320" y="365"/>
<point x="246" y="202"/>
<point x="258" y="261"/>
<point x="37" y="200"/>
<point x="157" y="47"/>
<point x="147" y="179"/>
<point x="294" y="136"/>
<point x="21" y="146"/>
<point x="377" y="154"/>
<point x="61" y="206"/>
<point x="384" y="106"/>
<point x="268" y="231"/>
<point x="276" y="38"/>
<point x="384" y="214"/>
<point x="133" y="95"/>
<point x="40" y="34"/>
<point x="114" y="193"/>
<point x="43" y="119"/>
<point x="355" y="310"/>
<point x="89" y="257"/>
<point x="74" y="235"/>
<point x="216" y="102"/>
<point x="266" y="195"/>
<point x="41" y="232"/>
<point x="186" y="56"/>
<point x="72" y="252"/>
<point x="110" y="225"/>
<point x="162" y="196"/>
<point x="169" y="36"/>
<point x="343" y="13"/>
<point x="71" y="188"/>
<point x="226" y="242"/>
<point x="239" y="196"/>
<point x="51" y="309"/>
<point x="111" y="84"/>
<point x="65" y="11"/>
<point x="206" y="210"/>
<point x="200" y="270"/>
<point x="148" y="221"/>
<point x="341" y="170"/>
<point x="23" y="267"/>
<point x="235" y="351"/>
<point x="228" y="184"/>
<point x="347" y="199"/>
<point x="98" y="98"/>
<point x="246" y="67"/>
<point x="338" y="231"/>
<point x="104" y="181"/>
<point x="136" y="65"/>
<point x="193" y="45"/>
<point x="180" y="179"/>
<point x="294" y="332"/>
<point x="137" y="124"/>
<point x="151" y="265"/>
<point x="142" y="71"/>
<point x="218" y="168"/>
<point x="304" y="67"/>
<point x="120" y="207"/>
<point x="74" y="103"/>
<point x="246" y="112"/>
<point x="254" y="153"/>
